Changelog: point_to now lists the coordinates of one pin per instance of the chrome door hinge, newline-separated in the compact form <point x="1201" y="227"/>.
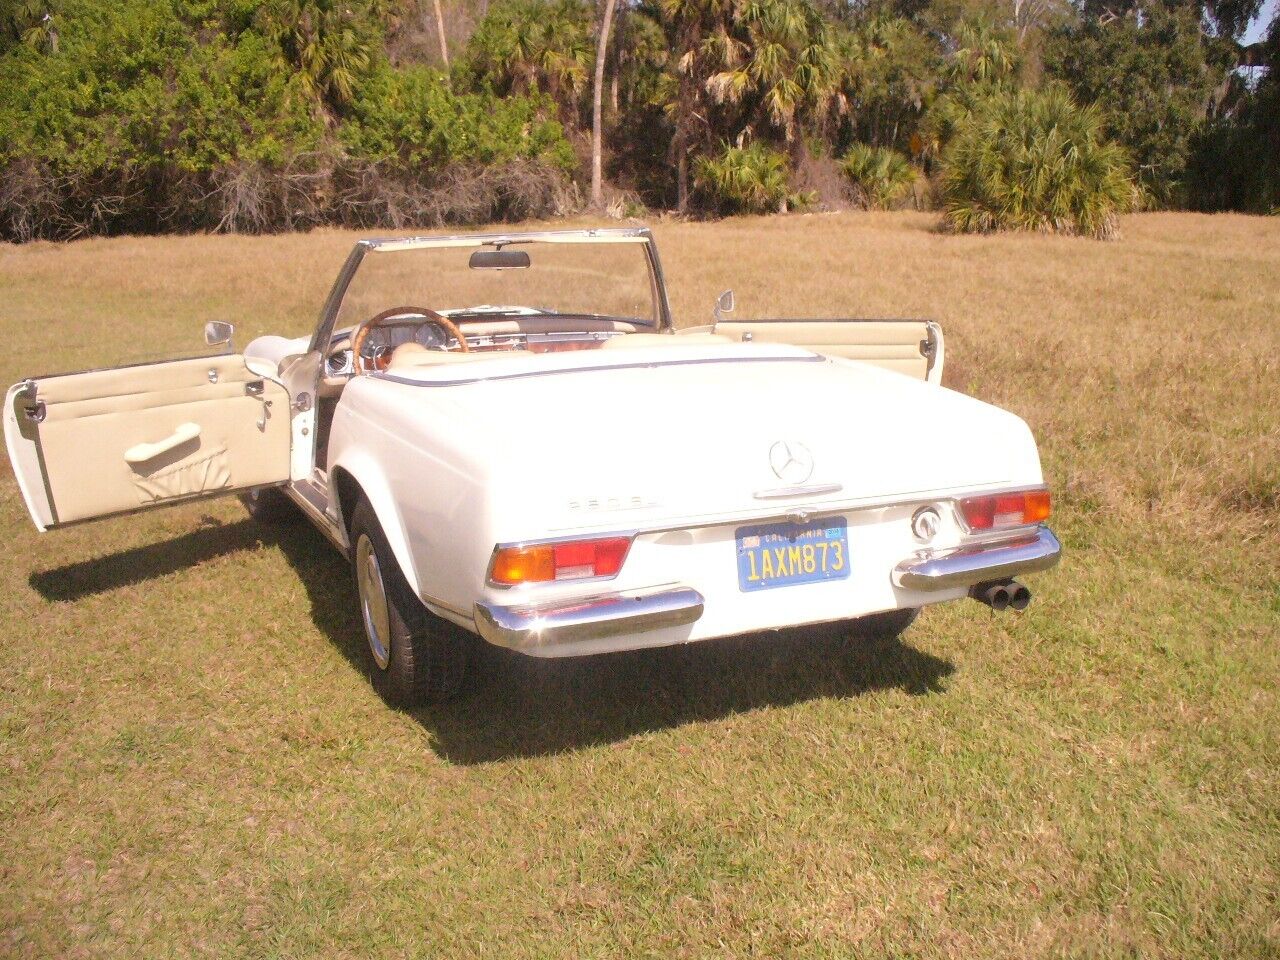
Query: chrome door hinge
<point x="32" y="408"/>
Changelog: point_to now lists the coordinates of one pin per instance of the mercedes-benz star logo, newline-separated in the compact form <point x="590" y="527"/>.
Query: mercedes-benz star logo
<point x="791" y="461"/>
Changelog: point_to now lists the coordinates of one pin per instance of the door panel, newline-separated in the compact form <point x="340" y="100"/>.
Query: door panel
<point x="912" y="347"/>
<point x="93" y="444"/>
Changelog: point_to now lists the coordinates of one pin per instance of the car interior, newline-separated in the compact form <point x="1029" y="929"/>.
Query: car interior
<point x="526" y="298"/>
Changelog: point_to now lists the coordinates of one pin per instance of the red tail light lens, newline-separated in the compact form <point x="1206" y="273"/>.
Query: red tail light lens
<point x="1002" y="510"/>
<point x="571" y="560"/>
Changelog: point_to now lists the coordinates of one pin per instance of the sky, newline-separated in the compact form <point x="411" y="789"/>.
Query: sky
<point x="1258" y="29"/>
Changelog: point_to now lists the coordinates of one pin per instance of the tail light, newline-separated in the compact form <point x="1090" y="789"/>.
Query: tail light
<point x="1000" y="511"/>
<point x="569" y="560"/>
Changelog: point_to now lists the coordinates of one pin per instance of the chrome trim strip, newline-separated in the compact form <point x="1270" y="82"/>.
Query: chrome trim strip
<point x="814" y="358"/>
<point x="780" y="493"/>
<point x="920" y="498"/>
<point x="979" y="563"/>
<point x="586" y="234"/>
<point x="539" y="627"/>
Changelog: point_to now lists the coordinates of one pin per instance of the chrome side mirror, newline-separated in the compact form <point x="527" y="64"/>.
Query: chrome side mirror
<point x="724" y="305"/>
<point x="217" y="333"/>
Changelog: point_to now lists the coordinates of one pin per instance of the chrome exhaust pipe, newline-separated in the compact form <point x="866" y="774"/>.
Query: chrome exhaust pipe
<point x="1001" y="595"/>
<point x="994" y="595"/>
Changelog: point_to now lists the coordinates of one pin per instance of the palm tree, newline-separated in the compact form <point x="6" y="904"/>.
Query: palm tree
<point x="780" y="56"/>
<point x="1027" y="160"/>
<point x="747" y="65"/>
<point x="530" y="45"/>
<point x="325" y="41"/>
<point x="689" y="23"/>
<point x="602" y="49"/>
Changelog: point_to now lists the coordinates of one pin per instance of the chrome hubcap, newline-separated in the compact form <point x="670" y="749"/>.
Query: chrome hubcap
<point x="373" y="602"/>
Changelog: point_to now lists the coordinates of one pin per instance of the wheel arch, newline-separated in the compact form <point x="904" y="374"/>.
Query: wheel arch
<point x="354" y="480"/>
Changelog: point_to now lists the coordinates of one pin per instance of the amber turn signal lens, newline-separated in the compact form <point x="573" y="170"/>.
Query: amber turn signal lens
<point x="523" y="565"/>
<point x="1038" y="506"/>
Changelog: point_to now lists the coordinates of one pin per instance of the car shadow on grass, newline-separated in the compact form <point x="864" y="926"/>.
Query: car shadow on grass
<point x="518" y="706"/>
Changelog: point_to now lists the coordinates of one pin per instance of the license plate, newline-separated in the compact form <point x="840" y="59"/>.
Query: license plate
<point x="784" y="554"/>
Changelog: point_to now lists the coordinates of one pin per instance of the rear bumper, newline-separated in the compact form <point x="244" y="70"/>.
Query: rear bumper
<point x="632" y="620"/>
<point x="564" y="626"/>
<point x="966" y="566"/>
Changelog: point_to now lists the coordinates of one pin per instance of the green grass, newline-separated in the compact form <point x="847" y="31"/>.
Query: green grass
<point x="191" y="763"/>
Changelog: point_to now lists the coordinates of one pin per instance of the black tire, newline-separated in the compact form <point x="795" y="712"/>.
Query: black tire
<point x="887" y="626"/>
<point x="421" y="659"/>
<point x="269" y="505"/>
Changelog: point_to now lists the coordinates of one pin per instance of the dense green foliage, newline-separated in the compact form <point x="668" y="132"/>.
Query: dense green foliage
<point x="130" y="115"/>
<point x="163" y="114"/>
<point x="1032" y="160"/>
<point x="1237" y="166"/>
<point x="883" y="175"/>
<point x="751" y="179"/>
<point x="1157" y="80"/>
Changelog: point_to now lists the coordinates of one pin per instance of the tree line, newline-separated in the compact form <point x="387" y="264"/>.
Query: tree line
<point x="255" y="115"/>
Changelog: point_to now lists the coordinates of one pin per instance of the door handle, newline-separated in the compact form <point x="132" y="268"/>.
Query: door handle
<point x="142" y="452"/>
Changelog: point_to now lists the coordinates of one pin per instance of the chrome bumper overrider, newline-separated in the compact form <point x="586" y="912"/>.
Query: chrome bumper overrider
<point x="539" y="626"/>
<point x="977" y="564"/>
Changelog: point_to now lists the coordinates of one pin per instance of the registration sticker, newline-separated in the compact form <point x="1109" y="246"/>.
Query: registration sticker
<point x="784" y="554"/>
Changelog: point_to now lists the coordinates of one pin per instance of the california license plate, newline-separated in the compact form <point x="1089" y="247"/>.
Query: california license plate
<point x="784" y="554"/>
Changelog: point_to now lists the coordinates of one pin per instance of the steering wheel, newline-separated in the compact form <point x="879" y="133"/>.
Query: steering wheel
<point x="395" y="317"/>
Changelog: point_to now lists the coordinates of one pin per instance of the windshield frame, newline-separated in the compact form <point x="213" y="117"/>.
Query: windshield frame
<point x="642" y="235"/>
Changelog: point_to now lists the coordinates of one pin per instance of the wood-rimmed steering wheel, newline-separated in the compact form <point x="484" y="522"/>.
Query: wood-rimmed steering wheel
<point x="397" y="317"/>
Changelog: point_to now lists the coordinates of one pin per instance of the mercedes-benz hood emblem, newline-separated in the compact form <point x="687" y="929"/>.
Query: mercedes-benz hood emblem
<point x="791" y="461"/>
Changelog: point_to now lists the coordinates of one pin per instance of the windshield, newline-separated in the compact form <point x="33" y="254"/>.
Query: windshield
<point x="564" y="278"/>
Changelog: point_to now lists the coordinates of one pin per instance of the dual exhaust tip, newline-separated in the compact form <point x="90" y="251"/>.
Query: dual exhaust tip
<point x="1002" y="594"/>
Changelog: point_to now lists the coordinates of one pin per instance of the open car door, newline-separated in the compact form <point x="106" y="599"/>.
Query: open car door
<point x="89" y="445"/>
<point x="912" y="347"/>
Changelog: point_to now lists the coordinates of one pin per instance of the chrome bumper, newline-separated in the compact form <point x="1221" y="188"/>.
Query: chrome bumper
<point x="540" y="627"/>
<point x="980" y="563"/>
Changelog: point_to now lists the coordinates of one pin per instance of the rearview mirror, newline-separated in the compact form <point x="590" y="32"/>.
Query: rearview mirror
<point x="218" y="333"/>
<point x="499" y="260"/>
<point x="724" y="304"/>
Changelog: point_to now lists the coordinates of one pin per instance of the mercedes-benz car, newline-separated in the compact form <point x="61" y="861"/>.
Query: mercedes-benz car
<point x="508" y="432"/>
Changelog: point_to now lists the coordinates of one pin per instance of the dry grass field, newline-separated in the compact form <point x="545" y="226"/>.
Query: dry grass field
<point x="190" y="764"/>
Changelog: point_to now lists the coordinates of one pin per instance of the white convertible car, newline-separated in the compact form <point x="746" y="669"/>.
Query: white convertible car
<point x="505" y="431"/>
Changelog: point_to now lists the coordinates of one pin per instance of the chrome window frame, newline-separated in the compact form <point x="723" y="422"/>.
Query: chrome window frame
<point x="333" y="303"/>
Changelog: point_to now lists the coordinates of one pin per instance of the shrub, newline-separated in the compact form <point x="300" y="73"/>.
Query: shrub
<point x="884" y="176"/>
<point x="1035" y="161"/>
<point x="750" y="179"/>
<point x="1155" y="73"/>
<point x="410" y="117"/>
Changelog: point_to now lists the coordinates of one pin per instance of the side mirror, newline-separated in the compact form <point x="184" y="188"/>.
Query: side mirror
<point x="724" y="304"/>
<point x="218" y="333"/>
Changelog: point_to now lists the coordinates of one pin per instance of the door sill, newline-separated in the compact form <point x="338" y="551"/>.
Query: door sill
<point x="312" y="498"/>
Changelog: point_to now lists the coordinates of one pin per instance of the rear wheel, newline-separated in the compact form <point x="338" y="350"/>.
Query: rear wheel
<point x="412" y="656"/>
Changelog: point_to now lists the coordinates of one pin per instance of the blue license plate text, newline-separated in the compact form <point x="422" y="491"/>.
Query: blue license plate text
<point x="784" y="554"/>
